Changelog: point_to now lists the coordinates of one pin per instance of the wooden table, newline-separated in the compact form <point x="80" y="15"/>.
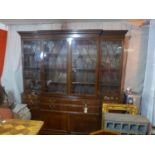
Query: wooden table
<point x="20" y="127"/>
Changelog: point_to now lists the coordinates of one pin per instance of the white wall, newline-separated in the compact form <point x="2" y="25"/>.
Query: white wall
<point x="135" y="70"/>
<point x="148" y="97"/>
<point x="136" y="62"/>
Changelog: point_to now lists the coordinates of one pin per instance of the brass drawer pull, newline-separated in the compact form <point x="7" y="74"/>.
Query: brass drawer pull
<point x="85" y="110"/>
<point x="51" y="106"/>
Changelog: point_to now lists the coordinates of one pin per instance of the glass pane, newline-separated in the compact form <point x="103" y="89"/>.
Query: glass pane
<point x="111" y="52"/>
<point x="55" y="62"/>
<point x="31" y="64"/>
<point x="84" y="53"/>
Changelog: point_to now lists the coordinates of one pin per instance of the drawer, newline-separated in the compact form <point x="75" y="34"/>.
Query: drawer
<point x="30" y="97"/>
<point x="91" y="102"/>
<point x="69" y="108"/>
<point x="30" y="100"/>
<point x="53" y="100"/>
<point x="82" y="102"/>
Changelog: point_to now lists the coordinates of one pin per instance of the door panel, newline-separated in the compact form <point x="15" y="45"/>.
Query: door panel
<point x="83" y="123"/>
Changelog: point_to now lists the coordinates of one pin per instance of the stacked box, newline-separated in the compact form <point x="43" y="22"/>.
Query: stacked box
<point x="126" y="124"/>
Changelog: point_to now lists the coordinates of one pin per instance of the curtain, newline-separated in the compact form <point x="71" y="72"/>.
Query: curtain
<point x="12" y="73"/>
<point x="148" y="96"/>
<point x="3" y="40"/>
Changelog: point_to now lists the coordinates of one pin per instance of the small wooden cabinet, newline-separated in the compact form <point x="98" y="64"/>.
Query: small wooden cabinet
<point x="67" y="75"/>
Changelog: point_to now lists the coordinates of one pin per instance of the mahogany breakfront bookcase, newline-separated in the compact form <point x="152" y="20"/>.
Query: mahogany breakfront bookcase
<point x="68" y="74"/>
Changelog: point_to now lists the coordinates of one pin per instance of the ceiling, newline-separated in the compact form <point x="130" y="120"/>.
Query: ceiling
<point x="51" y="21"/>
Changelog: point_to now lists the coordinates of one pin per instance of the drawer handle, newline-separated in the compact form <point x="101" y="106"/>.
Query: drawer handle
<point x="51" y="106"/>
<point x="85" y="110"/>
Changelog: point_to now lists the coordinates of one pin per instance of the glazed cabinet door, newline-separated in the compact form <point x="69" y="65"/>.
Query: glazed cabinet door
<point x="110" y="68"/>
<point x="32" y="65"/>
<point x="84" y="65"/>
<point x="55" y="65"/>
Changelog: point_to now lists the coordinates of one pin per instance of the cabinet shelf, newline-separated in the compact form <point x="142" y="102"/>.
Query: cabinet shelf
<point x="111" y="70"/>
<point x="83" y="70"/>
<point x="31" y="68"/>
<point x="83" y="83"/>
<point x="55" y="82"/>
<point x="52" y="69"/>
<point x="85" y="55"/>
<point x="29" y="53"/>
<point x="55" y="55"/>
<point x="109" y="84"/>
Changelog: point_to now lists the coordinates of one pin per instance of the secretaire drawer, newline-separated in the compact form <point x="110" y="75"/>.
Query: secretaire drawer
<point x="69" y="108"/>
<point x="70" y="101"/>
<point x="53" y="100"/>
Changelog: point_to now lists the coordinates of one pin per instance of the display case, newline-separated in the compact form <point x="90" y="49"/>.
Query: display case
<point x="68" y="74"/>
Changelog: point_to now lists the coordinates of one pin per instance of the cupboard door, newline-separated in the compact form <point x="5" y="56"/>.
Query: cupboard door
<point x="55" y="65"/>
<point x="84" y="60"/>
<point x="55" y="121"/>
<point x="111" y="59"/>
<point x="83" y="123"/>
<point x="31" y="65"/>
